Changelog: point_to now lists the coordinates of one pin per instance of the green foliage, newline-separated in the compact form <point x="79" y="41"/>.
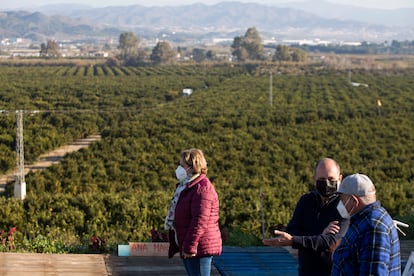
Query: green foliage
<point x="120" y="187"/>
<point x="40" y="244"/>
<point x="128" y="46"/>
<point x="47" y="244"/>
<point x="50" y="49"/>
<point x="238" y="237"/>
<point x="286" y="53"/>
<point x="162" y="53"/>
<point x="249" y="46"/>
<point x="199" y="55"/>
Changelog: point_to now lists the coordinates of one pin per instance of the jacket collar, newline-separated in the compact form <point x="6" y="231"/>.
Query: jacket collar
<point x="196" y="180"/>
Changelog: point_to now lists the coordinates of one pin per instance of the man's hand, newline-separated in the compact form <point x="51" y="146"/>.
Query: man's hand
<point x="332" y="228"/>
<point x="283" y="239"/>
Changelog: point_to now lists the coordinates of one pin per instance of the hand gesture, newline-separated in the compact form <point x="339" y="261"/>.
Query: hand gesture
<point x="283" y="239"/>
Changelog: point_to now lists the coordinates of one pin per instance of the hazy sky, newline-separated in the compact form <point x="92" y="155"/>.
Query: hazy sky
<point x="383" y="4"/>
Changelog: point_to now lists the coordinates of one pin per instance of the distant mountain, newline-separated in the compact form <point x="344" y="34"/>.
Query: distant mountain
<point x="40" y="27"/>
<point x="385" y="17"/>
<point x="197" y="21"/>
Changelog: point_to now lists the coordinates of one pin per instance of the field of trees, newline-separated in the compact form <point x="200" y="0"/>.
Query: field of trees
<point x="119" y="188"/>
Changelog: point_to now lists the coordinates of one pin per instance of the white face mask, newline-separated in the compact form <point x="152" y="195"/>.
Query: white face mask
<point x="342" y="209"/>
<point x="180" y="173"/>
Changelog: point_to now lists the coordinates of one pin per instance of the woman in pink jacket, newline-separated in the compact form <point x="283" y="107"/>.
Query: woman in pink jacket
<point x="192" y="219"/>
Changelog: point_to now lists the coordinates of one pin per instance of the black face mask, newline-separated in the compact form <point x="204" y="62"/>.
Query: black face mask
<point x="326" y="187"/>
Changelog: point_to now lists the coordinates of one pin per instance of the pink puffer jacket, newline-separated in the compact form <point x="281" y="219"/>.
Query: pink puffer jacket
<point x="196" y="219"/>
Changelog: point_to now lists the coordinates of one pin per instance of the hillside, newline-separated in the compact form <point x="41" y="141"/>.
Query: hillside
<point x="197" y="21"/>
<point x="39" y="27"/>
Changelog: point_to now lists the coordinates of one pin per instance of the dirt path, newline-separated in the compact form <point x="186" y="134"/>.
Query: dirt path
<point x="49" y="159"/>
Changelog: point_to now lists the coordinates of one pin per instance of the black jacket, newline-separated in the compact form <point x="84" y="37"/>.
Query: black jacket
<point x="306" y="226"/>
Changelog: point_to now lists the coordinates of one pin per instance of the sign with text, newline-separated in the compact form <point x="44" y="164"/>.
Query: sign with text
<point x="148" y="248"/>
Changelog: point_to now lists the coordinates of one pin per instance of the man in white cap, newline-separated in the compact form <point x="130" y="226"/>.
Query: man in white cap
<point x="371" y="245"/>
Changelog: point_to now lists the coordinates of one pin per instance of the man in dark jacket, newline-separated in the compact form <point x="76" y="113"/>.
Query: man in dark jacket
<point x="316" y="227"/>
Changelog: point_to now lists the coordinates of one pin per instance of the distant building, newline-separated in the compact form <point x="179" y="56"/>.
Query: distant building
<point x="308" y="42"/>
<point x="24" y="52"/>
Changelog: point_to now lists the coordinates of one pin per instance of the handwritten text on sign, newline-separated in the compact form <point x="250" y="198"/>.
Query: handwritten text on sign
<point x="148" y="248"/>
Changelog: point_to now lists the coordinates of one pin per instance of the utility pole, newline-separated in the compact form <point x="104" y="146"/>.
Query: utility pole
<point x="262" y="212"/>
<point x="20" y="184"/>
<point x="271" y="89"/>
